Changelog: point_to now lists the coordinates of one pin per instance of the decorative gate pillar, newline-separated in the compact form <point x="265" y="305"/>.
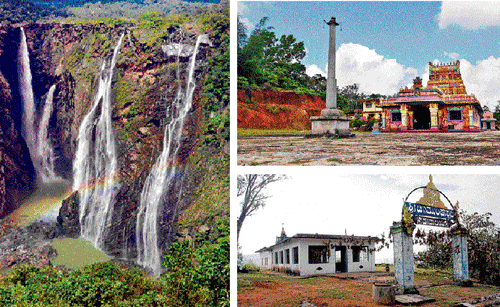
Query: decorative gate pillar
<point x="383" y="120"/>
<point x="403" y="259"/>
<point x="433" y="108"/>
<point x="460" y="256"/>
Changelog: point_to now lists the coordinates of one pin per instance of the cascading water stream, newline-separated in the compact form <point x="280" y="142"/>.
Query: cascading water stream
<point x="45" y="153"/>
<point x="95" y="163"/>
<point x="40" y="148"/>
<point x="161" y="175"/>
<point x="26" y="90"/>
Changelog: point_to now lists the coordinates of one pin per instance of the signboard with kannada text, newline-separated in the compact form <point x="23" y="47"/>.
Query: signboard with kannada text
<point x="431" y="216"/>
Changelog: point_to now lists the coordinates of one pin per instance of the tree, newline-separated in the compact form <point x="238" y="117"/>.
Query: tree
<point x="252" y="188"/>
<point x="496" y="113"/>
<point x="264" y="58"/>
<point x="483" y="247"/>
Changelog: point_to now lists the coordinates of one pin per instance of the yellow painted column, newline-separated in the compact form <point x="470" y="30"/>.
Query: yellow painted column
<point x="404" y="118"/>
<point x="433" y="108"/>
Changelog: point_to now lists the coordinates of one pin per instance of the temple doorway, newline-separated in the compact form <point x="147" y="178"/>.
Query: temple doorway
<point x="341" y="259"/>
<point x="421" y="117"/>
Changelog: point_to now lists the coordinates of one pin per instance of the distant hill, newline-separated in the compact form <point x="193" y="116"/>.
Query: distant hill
<point x="23" y="10"/>
<point x="13" y="11"/>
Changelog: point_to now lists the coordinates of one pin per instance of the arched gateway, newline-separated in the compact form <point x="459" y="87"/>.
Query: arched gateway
<point x="428" y="210"/>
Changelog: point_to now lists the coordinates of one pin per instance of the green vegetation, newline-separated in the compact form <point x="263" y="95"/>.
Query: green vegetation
<point x="265" y="60"/>
<point x="483" y="248"/>
<point x="198" y="275"/>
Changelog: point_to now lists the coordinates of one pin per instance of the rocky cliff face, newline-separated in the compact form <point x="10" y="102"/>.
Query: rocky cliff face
<point x="272" y="109"/>
<point x="145" y="83"/>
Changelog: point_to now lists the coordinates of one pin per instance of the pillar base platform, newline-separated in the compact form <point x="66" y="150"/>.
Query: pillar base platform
<point x="330" y="123"/>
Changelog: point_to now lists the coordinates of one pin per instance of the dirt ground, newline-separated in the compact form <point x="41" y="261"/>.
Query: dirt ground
<point x="481" y="148"/>
<point x="275" y="289"/>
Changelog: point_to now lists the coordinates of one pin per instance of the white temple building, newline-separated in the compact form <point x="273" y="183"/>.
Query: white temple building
<point x="315" y="254"/>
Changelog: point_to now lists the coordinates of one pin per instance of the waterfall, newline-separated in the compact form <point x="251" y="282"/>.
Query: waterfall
<point x="45" y="153"/>
<point x="95" y="163"/>
<point x="26" y="90"/>
<point x="161" y="175"/>
<point x="40" y="148"/>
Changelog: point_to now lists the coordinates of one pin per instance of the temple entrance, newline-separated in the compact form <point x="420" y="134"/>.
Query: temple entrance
<point x="488" y="125"/>
<point x="431" y="211"/>
<point x="340" y="259"/>
<point x="421" y="117"/>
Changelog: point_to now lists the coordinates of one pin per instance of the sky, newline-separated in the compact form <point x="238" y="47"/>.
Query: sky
<point x="363" y="205"/>
<point x="383" y="46"/>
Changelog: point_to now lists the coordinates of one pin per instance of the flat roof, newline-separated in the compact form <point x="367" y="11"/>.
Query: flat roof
<point x="321" y="236"/>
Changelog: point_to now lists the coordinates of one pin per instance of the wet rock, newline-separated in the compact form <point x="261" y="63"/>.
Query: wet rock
<point x="68" y="219"/>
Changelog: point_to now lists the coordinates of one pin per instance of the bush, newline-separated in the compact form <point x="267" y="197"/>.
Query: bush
<point x="250" y="267"/>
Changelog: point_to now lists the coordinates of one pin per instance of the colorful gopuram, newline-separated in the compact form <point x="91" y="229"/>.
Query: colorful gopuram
<point x="442" y="105"/>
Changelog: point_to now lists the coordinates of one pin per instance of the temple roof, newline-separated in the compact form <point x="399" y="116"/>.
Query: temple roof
<point x="344" y="238"/>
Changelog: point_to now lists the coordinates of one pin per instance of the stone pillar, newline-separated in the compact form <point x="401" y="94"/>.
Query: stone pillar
<point x="410" y="119"/>
<point x="383" y="120"/>
<point x="433" y="108"/>
<point x="331" y="120"/>
<point x="471" y="119"/>
<point x="404" y="118"/>
<point x="331" y="81"/>
<point x="403" y="259"/>
<point x="460" y="257"/>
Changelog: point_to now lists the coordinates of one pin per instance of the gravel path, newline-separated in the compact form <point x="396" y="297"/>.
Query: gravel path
<point x="374" y="149"/>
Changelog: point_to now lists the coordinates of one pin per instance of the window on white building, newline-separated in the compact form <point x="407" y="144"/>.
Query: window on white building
<point x="287" y="256"/>
<point x="359" y="254"/>
<point x="295" y="255"/>
<point x="281" y="257"/>
<point x="318" y="254"/>
<point x="275" y="257"/>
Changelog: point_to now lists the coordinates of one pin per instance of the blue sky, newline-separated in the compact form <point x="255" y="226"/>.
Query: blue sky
<point x="384" y="45"/>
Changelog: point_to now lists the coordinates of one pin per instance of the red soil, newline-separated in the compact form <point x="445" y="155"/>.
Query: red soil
<point x="269" y="109"/>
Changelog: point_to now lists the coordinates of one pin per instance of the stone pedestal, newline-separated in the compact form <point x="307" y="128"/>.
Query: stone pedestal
<point x="403" y="260"/>
<point x="460" y="258"/>
<point x="335" y="125"/>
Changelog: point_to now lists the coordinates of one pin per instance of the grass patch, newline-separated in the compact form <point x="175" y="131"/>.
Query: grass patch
<point x="336" y="294"/>
<point x="259" y="132"/>
<point x="333" y="160"/>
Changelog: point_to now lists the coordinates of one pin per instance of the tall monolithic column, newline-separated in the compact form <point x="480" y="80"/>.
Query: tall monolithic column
<point x="331" y="81"/>
<point x="331" y="121"/>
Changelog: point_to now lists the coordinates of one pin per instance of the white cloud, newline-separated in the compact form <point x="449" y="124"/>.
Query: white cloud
<point x="242" y="8"/>
<point x="374" y="73"/>
<point x="313" y="69"/>
<point x="482" y="80"/>
<point x="470" y="15"/>
<point x="246" y="22"/>
<point x="452" y="55"/>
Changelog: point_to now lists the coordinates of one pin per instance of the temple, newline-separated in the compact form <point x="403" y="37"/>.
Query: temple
<point x="443" y="105"/>
<point x="315" y="254"/>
